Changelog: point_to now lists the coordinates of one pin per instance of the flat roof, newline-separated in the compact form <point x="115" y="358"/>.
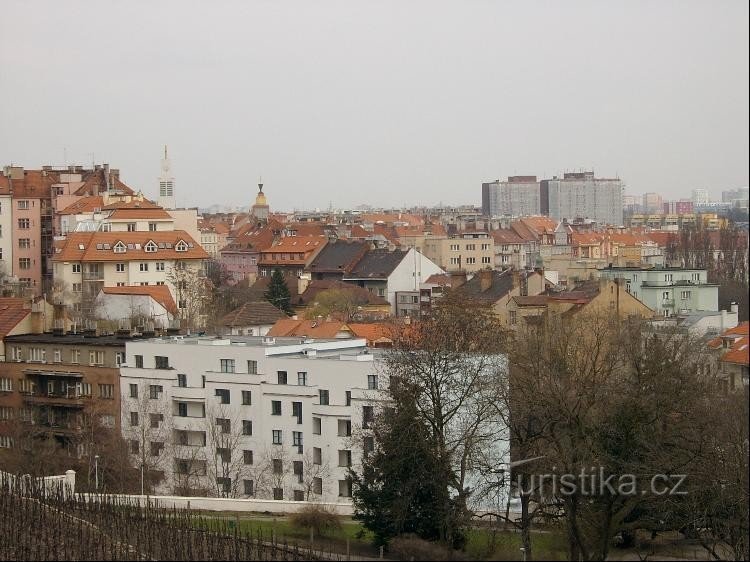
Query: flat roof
<point x="70" y="339"/>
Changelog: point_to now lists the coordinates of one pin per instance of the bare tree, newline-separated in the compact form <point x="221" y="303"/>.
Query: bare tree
<point x="148" y="433"/>
<point x="193" y="292"/>
<point x="226" y="465"/>
<point x="315" y="472"/>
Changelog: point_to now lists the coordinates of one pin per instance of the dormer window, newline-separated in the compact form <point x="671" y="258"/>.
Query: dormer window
<point x="120" y="248"/>
<point x="150" y="246"/>
<point x="181" y="246"/>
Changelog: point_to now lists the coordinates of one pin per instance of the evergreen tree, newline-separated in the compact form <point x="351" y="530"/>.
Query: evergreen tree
<point x="278" y="293"/>
<point x="399" y="488"/>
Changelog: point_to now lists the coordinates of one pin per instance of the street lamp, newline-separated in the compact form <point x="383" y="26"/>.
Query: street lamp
<point x="96" y="472"/>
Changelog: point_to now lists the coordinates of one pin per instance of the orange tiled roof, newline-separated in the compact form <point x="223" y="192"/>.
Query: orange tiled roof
<point x="160" y="293"/>
<point x="586" y="239"/>
<point x="12" y="311"/>
<point x="372" y="332"/>
<point x="539" y="224"/>
<point x="85" y="205"/>
<point x="392" y="218"/>
<point x="135" y="213"/>
<point x="738" y="352"/>
<point x="293" y="245"/>
<point x="133" y="204"/>
<point x="99" y="246"/>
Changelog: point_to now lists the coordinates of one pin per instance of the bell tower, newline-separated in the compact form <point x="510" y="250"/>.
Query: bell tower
<point x="260" y="210"/>
<point x="166" y="183"/>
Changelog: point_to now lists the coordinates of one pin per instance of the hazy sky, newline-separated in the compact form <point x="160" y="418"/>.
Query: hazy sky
<point x="378" y="102"/>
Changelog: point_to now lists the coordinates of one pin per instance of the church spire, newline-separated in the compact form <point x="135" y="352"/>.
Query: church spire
<point x="166" y="183"/>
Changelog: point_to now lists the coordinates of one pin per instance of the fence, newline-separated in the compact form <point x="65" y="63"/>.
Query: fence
<point x="40" y="520"/>
<point x="66" y="483"/>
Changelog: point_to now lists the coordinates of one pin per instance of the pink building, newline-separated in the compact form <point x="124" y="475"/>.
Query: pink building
<point x="681" y="207"/>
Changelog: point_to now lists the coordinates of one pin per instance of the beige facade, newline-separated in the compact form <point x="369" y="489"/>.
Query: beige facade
<point x="470" y="252"/>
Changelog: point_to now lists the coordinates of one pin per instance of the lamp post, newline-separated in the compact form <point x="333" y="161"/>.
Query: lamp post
<point x="141" y="478"/>
<point x="96" y="473"/>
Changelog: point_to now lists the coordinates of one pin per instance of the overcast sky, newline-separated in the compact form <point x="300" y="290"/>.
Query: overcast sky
<point x="385" y="103"/>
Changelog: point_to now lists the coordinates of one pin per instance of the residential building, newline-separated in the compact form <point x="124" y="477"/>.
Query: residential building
<point x="598" y="296"/>
<point x="147" y="303"/>
<point x="23" y="316"/>
<point x="518" y="196"/>
<point x="291" y="254"/>
<point x="510" y="249"/>
<point x="241" y="408"/>
<point x="679" y="207"/>
<point x="701" y="198"/>
<point x="87" y="262"/>
<point x="6" y="230"/>
<point x="733" y="348"/>
<point x="652" y="203"/>
<point x="668" y="290"/>
<point x="467" y="251"/>
<point x="702" y="324"/>
<point x="385" y="273"/>
<point x="241" y="254"/>
<point x="581" y="195"/>
<point x="337" y="259"/>
<point x="50" y="383"/>
<point x="251" y="319"/>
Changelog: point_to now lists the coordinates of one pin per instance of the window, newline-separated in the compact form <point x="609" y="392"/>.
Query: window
<point x="134" y="391"/>
<point x="77" y="287"/>
<point x="252" y="367"/>
<point x="119" y="358"/>
<point x="247" y="427"/>
<point x="276" y="434"/>
<point x="151" y="227"/>
<point x="275" y="407"/>
<point x="182" y="409"/>
<point x="155" y="420"/>
<point x="106" y="391"/>
<point x="317" y="486"/>
<point x="695" y="277"/>
<point x="134" y="448"/>
<point x="369" y="444"/>
<point x="6" y="413"/>
<point x="278" y="466"/>
<point x="348" y="397"/>
<point x="471" y="246"/>
<point x="281" y="377"/>
<point x="302" y="378"/>
<point x="23" y="204"/>
<point x="58" y="356"/>
<point x="485" y="247"/>
<point x="297" y="440"/>
<point x="345" y="488"/>
<point x="139" y="361"/>
<point x="181" y="246"/>
<point x="317" y="455"/>
<point x="513" y="317"/>
<point x="224" y="424"/>
<point x="323" y="397"/>
<point x="182" y="380"/>
<point x="298" y="470"/>
<point x="372" y="382"/>
<point x="345" y="428"/>
<point x="247" y="456"/>
<point x="143" y="266"/>
<point x="160" y="266"/>
<point x="96" y="358"/>
<point x="133" y="418"/>
<point x="154" y="390"/>
<point x="120" y="267"/>
<point x="227" y="365"/>
<point x="368" y="416"/>
<point x="278" y="493"/>
<point x="685" y="295"/>
<point x="24" y="263"/>
<point x="297" y="411"/>
<point x="6" y="384"/>
<point x="131" y="227"/>
<point x="454" y="247"/>
<point x="248" y="487"/>
<point x="24" y="243"/>
<point x="455" y="261"/>
<point x="486" y="259"/>
<point x="668" y="277"/>
<point x="24" y="224"/>
<point x="317" y="426"/>
<point x="223" y="394"/>
<point x="120" y="248"/>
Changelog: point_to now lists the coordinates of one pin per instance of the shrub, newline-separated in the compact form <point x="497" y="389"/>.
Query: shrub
<point x="411" y="547"/>
<point x="319" y="518"/>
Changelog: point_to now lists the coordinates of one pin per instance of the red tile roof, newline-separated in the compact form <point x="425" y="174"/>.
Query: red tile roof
<point x="12" y="311"/>
<point x="308" y="328"/>
<point x="739" y="350"/>
<point x="137" y="213"/>
<point x="85" y="205"/>
<point x="160" y="293"/>
<point x="99" y="246"/>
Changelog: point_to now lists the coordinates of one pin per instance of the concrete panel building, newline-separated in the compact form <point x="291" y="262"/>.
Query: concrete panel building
<point x="583" y="196"/>
<point x="518" y="196"/>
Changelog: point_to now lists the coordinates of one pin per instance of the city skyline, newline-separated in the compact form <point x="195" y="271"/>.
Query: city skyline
<point x="423" y="104"/>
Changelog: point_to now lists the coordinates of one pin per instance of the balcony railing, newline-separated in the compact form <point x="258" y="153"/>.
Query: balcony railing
<point x="667" y="303"/>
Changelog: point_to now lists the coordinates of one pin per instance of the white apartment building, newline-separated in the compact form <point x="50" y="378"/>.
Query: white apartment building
<point x="517" y="197"/>
<point x="581" y="195"/>
<point x="271" y="418"/>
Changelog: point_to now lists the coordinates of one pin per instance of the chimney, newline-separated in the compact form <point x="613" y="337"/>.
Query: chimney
<point x="458" y="278"/>
<point x="485" y="279"/>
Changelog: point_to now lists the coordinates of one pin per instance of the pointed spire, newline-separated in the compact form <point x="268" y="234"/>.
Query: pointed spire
<point x="260" y="184"/>
<point x="165" y="152"/>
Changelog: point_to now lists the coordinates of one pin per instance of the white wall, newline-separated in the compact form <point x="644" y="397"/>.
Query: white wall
<point x="413" y="270"/>
<point x="116" y="307"/>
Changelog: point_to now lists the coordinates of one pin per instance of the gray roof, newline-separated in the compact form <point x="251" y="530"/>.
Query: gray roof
<point x="377" y="264"/>
<point x="502" y="283"/>
<point x="339" y="256"/>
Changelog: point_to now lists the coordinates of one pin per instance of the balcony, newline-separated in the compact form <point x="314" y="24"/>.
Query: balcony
<point x="50" y="372"/>
<point x="667" y="303"/>
<point x="65" y="401"/>
<point x="181" y="393"/>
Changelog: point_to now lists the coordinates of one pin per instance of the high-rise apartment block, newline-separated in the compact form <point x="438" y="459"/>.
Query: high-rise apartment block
<point x="581" y="195"/>
<point x="517" y="197"/>
<point x="652" y="203"/>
